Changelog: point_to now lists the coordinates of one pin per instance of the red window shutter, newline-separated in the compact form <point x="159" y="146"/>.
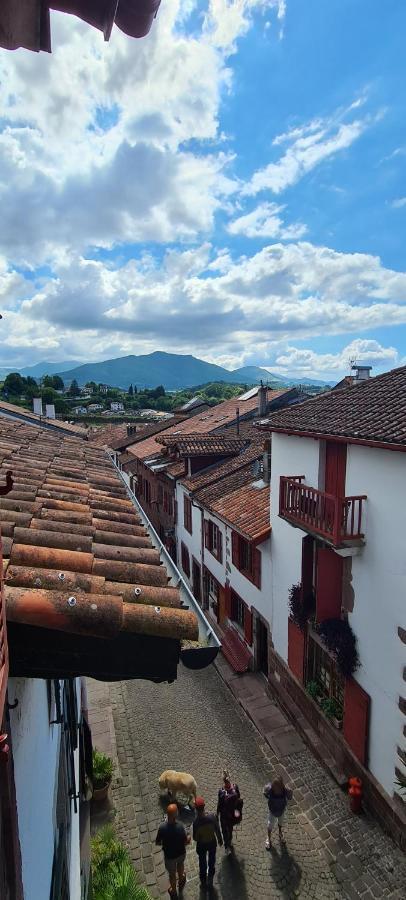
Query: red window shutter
<point x="235" y="548"/>
<point x="207" y="534"/>
<point x="3" y="641"/>
<point x="329" y="584"/>
<point x="256" y="562"/>
<point x="336" y="462"/>
<point x="307" y="565"/>
<point x="227" y="603"/>
<point x="248" y="625"/>
<point x="356" y="719"/>
<point x="296" y="650"/>
<point x="219" y="546"/>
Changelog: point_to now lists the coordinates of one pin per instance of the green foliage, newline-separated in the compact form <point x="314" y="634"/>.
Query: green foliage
<point x="113" y="876"/>
<point x="74" y="389"/>
<point x="331" y="708"/>
<point x="53" y="381"/>
<point x="131" y="391"/>
<point x="401" y="783"/>
<point x="102" y="769"/>
<point x="14" y="384"/>
<point x="313" y="689"/>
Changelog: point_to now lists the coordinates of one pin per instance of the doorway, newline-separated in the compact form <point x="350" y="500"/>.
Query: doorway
<point x="262" y="646"/>
<point x="196" y="582"/>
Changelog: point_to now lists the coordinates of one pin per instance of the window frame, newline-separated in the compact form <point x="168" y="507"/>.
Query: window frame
<point x="321" y="667"/>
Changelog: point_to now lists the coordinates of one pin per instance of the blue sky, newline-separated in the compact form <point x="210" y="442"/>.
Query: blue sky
<point x="231" y="186"/>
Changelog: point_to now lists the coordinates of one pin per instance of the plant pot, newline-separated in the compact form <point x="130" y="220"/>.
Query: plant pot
<point x="338" y="723"/>
<point x="100" y="793"/>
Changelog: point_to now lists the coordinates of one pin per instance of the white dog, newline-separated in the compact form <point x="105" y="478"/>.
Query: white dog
<point x="175" y="783"/>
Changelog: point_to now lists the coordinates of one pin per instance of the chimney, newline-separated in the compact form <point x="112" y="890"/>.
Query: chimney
<point x="361" y="372"/>
<point x="37" y="406"/>
<point x="262" y="400"/>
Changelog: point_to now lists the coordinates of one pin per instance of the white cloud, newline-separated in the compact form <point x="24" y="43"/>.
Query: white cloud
<point x="399" y="203"/>
<point x="310" y="145"/>
<point x="226" y="20"/>
<point x="265" y="222"/>
<point x="306" y="363"/>
<point x="201" y="300"/>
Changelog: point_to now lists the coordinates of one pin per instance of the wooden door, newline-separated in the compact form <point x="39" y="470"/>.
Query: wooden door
<point x="262" y="647"/>
<point x="336" y="462"/>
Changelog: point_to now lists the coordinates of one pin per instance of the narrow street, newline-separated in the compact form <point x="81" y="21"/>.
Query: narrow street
<point x="196" y="725"/>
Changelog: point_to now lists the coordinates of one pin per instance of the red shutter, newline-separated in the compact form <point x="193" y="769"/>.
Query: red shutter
<point x="3" y="641"/>
<point x="248" y="625"/>
<point x="307" y="565"/>
<point x="256" y="564"/>
<point x="207" y="534"/>
<point x="219" y="546"/>
<point x="336" y="462"/>
<point x="329" y="585"/>
<point x="235" y="546"/>
<point x="356" y="719"/>
<point x="296" y="650"/>
<point x="227" y="603"/>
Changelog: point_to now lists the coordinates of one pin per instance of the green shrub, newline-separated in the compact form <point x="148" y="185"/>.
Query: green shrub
<point x="331" y="708"/>
<point x="113" y="875"/>
<point x="102" y="769"/>
<point x="313" y="689"/>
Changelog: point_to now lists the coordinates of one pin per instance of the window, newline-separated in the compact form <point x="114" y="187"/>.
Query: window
<point x="246" y="558"/>
<point x="187" y="513"/>
<point x="237" y="610"/>
<point x="321" y="667"/>
<point x="213" y="539"/>
<point x="185" y="558"/>
<point x="211" y="588"/>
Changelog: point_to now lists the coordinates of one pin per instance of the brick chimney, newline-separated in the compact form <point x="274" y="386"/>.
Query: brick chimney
<point x="262" y="400"/>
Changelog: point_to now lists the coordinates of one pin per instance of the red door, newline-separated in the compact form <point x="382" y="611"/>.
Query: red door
<point x="336" y="461"/>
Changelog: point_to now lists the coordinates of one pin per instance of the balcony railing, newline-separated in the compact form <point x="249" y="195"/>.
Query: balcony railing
<point x="337" y="519"/>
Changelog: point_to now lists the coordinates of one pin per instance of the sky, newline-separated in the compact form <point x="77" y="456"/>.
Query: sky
<point x="232" y="186"/>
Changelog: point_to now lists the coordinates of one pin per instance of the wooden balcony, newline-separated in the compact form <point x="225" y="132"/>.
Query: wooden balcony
<point x="336" y="519"/>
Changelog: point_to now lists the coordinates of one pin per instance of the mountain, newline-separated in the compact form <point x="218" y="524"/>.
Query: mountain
<point x="173" y="370"/>
<point x="253" y="375"/>
<point x="40" y="369"/>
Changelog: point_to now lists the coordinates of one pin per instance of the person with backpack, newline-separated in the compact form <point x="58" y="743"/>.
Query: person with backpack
<point x="229" y="809"/>
<point x="277" y="796"/>
<point x="206" y="833"/>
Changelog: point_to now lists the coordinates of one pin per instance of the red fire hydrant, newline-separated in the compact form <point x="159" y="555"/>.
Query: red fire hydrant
<point x="355" y="794"/>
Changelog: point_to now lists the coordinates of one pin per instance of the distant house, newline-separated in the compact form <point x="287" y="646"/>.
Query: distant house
<point x="79" y="410"/>
<point x="93" y="407"/>
<point x="103" y="388"/>
<point x="116" y="406"/>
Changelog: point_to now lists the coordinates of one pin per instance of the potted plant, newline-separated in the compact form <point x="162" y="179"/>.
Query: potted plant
<point x="340" y="640"/>
<point x="301" y="607"/>
<point x="314" y="690"/>
<point x="333" y="710"/>
<point x="102" y="774"/>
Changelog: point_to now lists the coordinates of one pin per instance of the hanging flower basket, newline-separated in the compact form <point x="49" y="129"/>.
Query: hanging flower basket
<point x="340" y="640"/>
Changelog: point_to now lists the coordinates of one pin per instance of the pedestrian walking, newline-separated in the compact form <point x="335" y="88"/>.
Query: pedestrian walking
<point x="278" y="797"/>
<point x="228" y="800"/>
<point x="206" y="833"/>
<point x="172" y="838"/>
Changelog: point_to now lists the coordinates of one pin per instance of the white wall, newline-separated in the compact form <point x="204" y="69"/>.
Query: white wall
<point x="379" y="582"/>
<point x="35" y="746"/>
<point x="290" y="456"/>
<point x="260" y="599"/>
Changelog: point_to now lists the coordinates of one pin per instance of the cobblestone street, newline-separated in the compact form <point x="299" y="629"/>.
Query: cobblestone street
<point x="196" y="725"/>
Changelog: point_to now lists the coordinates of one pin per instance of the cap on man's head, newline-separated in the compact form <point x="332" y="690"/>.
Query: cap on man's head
<point x="199" y="803"/>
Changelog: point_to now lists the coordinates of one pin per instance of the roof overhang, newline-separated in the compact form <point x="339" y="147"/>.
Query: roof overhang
<point x="340" y="438"/>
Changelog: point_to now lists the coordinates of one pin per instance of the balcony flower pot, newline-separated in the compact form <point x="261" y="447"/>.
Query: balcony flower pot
<point x="102" y="775"/>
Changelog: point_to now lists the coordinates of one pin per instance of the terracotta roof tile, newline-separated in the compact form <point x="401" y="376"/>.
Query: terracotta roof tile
<point x="216" y="472"/>
<point x="78" y="535"/>
<point x="368" y="411"/>
<point x="202" y="445"/>
<point x="242" y="499"/>
<point x="10" y="409"/>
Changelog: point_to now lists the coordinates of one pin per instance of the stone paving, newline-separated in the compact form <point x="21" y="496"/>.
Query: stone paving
<point x="197" y="725"/>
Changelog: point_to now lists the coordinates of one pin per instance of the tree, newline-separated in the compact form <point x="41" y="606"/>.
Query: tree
<point x="92" y="387"/>
<point x="58" y="384"/>
<point x="131" y="391"/>
<point x="74" y="389"/>
<point x="48" y="395"/>
<point x="14" y="384"/>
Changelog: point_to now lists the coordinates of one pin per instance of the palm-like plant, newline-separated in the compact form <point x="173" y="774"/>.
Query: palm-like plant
<point x="113" y="875"/>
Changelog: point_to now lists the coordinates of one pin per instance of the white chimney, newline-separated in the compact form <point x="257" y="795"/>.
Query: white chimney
<point x="50" y="411"/>
<point x="37" y="406"/>
<point x="361" y="372"/>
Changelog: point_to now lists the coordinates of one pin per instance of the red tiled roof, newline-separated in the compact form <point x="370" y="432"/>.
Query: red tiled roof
<point x="20" y="413"/>
<point x="202" y="445"/>
<point x="143" y="432"/>
<point x="372" y="411"/>
<point x="214" y="419"/>
<point x="70" y="533"/>
<point x="217" y="472"/>
<point x="242" y="499"/>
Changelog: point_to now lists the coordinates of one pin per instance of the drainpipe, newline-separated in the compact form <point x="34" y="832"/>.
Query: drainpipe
<point x="202" y="549"/>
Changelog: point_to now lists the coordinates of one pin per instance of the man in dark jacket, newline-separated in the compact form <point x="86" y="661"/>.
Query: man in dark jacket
<point x="226" y="808"/>
<point x="206" y="833"/>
